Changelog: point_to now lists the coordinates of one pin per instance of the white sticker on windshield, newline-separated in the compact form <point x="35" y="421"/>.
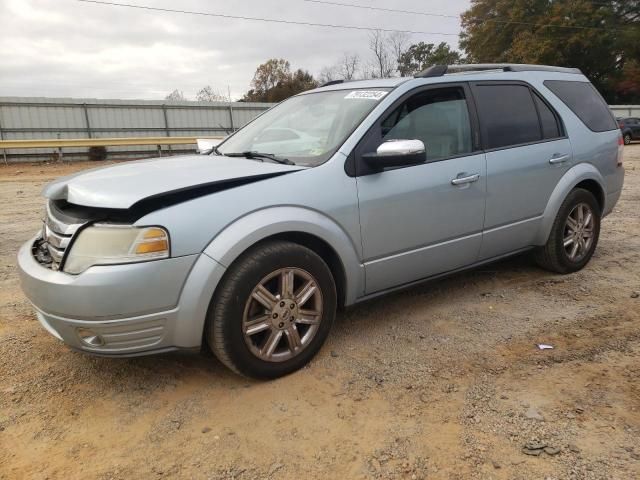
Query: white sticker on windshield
<point x="367" y="94"/>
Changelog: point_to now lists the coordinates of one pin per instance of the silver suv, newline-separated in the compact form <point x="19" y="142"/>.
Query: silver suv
<point x="330" y="198"/>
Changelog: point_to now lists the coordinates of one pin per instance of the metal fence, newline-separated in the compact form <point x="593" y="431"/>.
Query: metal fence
<point x="626" y="110"/>
<point x="50" y="118"/>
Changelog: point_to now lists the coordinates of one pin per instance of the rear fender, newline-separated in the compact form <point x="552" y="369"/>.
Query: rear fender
<point x="577" y="174"/>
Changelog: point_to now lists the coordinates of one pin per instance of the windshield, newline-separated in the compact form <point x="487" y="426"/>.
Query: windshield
<point x="306" y="129"/>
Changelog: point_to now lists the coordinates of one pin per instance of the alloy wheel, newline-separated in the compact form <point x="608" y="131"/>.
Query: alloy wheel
<point x="579" y="232"/>
<point x="282" y="314"/>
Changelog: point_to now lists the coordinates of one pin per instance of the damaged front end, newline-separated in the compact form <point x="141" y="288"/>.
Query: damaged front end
<point x="58" y="230"/>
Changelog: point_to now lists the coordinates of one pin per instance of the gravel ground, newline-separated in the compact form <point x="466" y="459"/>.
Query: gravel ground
<point x="442" y="381"/>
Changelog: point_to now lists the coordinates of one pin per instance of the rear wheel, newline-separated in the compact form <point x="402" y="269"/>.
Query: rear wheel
<point x="574" y="235"/>
<point x="627" y="139"/>
<point x="272" y="311"/>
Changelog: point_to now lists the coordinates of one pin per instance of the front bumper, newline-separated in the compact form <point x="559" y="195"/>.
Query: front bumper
<point x="132" y="309"/>
<point x="141" y="335"/>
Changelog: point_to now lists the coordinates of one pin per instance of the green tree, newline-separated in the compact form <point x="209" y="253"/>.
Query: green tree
<point x="274" y="82"/>
<point x="421" y="55"/>
<point x="628" y="88"/>
<point x="601" y="38"/>
<point x="270" y="74"/>
<point x="300" y="81"/>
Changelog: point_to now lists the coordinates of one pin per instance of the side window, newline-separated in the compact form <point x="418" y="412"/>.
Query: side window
<point x="585" y="101"/>
<point x="508" y="115"/>
<point x="440" y="118"/>
<point x="548" y="119"/>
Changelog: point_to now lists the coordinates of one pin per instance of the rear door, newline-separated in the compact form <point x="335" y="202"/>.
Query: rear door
<point x="527" y="154"/>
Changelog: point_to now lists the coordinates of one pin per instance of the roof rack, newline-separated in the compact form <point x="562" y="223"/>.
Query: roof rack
<point x="440" y="70"/>
<point x="332" y="82"/>
<point x="433" y="71"/>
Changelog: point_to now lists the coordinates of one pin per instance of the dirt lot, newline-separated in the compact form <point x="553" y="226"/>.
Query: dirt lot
<point x="439" y="382"/>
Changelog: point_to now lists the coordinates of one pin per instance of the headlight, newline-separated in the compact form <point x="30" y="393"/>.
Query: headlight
<point x="111" y="244"/>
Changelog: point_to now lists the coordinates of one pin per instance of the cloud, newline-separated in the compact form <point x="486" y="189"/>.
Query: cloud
<point x="65" y="48"/>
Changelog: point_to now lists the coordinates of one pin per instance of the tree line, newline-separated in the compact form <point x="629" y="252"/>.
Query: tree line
<point x="390" y="55"/>
<point x="602" y="38"/>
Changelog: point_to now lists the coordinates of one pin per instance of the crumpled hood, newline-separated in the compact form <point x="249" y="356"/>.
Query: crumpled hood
<point x="123" y="185"/>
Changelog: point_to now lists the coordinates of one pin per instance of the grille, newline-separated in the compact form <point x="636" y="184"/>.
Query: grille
<point x="56" y="235"/>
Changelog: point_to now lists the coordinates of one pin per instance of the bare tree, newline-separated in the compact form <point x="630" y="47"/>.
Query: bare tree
<point x="346" y="69"/>
<point x="208" y="94"/>
<point x="349" y="66"/>
<point x="383" y="60"/>
<point x="328" y="74"/>
<point x="176" y="96"/>
<point x="380" y="54"/>
<point x="398" y="44"/>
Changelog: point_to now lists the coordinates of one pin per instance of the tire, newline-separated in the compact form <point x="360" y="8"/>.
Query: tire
<point x="627" y="139"/>
<point x="238" y="307"/>
<point x="554" y="256"/>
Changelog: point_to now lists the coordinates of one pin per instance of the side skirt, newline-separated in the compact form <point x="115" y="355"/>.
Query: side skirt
<point x="406" y="286"/>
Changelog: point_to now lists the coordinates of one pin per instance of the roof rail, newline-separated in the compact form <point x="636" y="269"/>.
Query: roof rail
<point x="332" y="82"/>
<point x="440" y="70"/>
<point x="433" y="71"/>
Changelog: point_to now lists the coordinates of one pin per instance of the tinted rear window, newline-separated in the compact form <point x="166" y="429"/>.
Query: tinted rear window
<point x="585" y="101"/>
<point x="507" y="114"/>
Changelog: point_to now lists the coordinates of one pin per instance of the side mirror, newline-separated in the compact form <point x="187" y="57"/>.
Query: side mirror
<point x="205" y="145"/>
<point x="397" y="153"/>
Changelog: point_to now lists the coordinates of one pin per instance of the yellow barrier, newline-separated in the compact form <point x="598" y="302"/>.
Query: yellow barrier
<point x="99" y="142"/>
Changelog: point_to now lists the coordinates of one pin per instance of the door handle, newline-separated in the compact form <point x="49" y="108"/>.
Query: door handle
<point x="558" y="159"/>
<point x="462" y="180"/>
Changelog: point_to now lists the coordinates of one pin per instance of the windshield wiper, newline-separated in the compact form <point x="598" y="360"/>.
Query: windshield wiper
<point x="260" y="156"/>
<point x="211" y="150"/>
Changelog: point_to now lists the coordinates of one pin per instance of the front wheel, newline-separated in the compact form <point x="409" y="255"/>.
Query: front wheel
<point x="574" y="235"/>
<point x="272" y="311"/>
<point x="627" y="139"/>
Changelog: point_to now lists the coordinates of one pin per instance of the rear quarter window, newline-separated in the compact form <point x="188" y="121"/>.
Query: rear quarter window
<point x="550" y="125"/>
<point x="585" y="101"/>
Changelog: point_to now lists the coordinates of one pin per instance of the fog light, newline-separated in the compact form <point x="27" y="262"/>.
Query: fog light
<point x="90" y="338"/>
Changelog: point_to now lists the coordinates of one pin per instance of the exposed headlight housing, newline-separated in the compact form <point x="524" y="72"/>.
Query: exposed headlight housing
<point x="103" y="244"/>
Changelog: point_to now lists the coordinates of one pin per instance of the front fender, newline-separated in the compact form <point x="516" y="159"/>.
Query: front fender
<point x="575" y="175"/>
<point x="237" y="237"/>
<point x="194" y="302"/>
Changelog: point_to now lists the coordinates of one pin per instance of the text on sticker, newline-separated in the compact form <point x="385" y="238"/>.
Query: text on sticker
<point x="367" y="94"/>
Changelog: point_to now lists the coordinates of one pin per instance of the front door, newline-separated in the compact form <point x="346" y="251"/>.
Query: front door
<point x="425" y="219"/>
